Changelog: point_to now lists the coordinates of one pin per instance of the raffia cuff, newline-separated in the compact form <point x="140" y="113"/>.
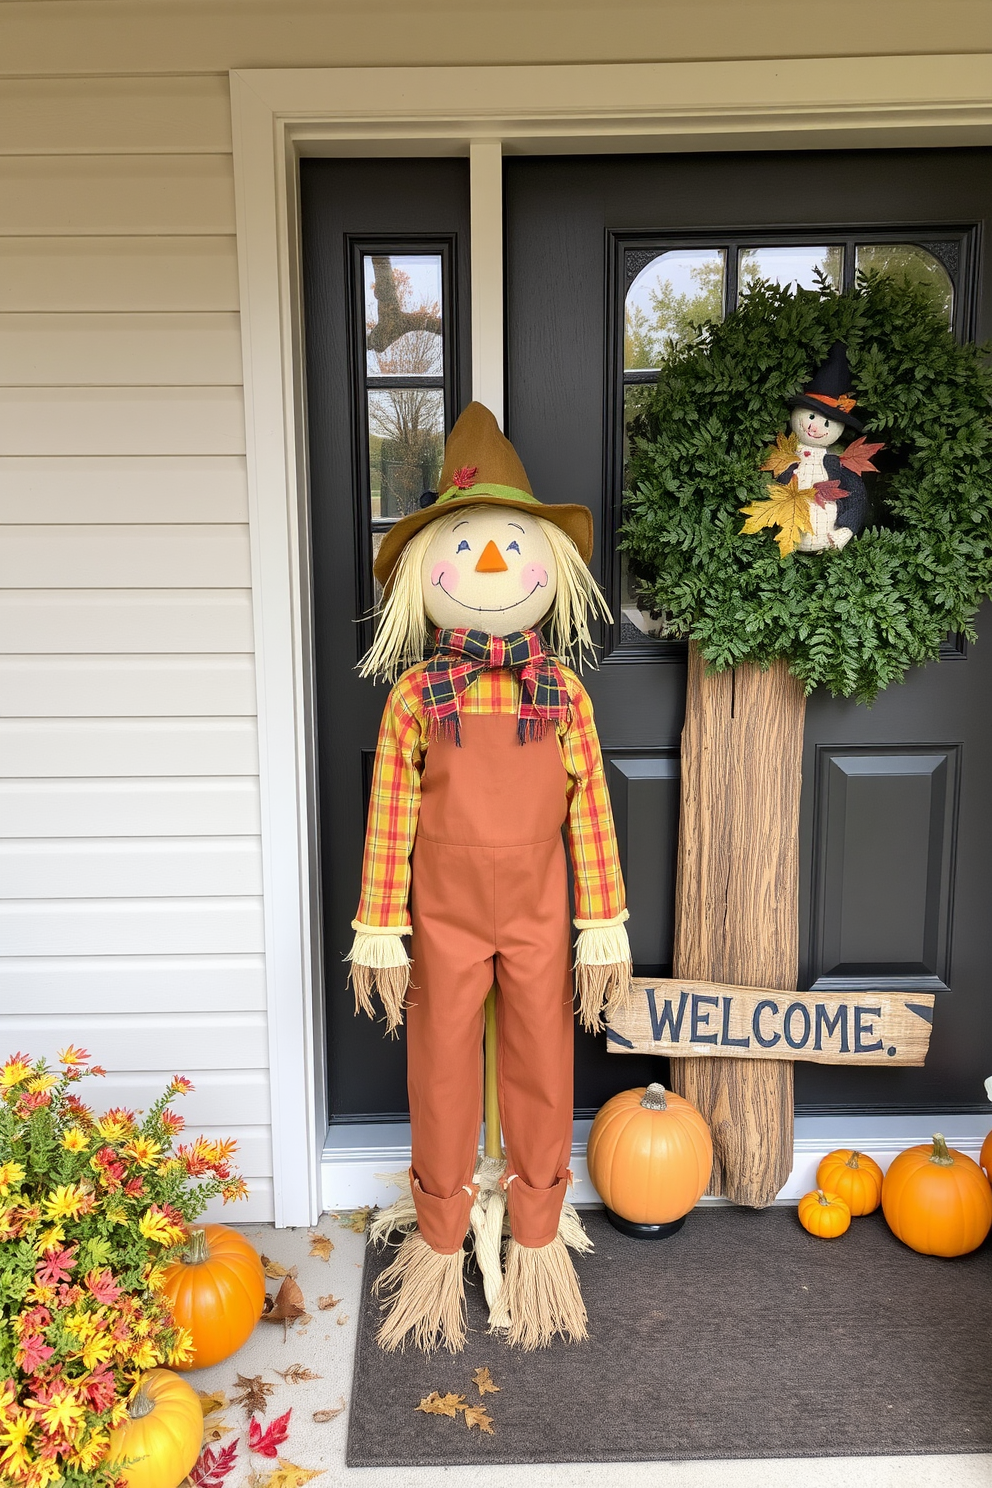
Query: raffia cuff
<point x="597" y="924"/>
<point x="364" y="929"/>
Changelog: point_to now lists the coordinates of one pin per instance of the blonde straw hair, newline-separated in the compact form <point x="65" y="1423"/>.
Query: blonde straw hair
<point x="401" y="634"/>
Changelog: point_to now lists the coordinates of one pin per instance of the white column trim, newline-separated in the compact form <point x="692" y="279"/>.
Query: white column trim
<point x="279" y="114"/>
<point x="486" y="246"/>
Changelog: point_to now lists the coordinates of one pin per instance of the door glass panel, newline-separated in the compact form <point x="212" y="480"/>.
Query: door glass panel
<point x="910" y="261"/>
<point x="406" y="446"/>
<point x="637" y="621"/>
<point x="669" y="300"/>
<point x="403" y="325"/>
<point x="792" y="265"/>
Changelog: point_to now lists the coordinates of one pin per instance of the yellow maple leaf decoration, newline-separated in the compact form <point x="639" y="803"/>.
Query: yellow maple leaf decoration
<point x="477" y="1415"/>
<point x="784" y="453"/>
<point x="483" y="1380"/>
<point x="786" y="508"/>
<point x="288" y="1475"/>
<point x="436" y="1404"/>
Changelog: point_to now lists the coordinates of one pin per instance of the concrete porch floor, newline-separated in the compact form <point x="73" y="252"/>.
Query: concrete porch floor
<point x="326" y="1347"/>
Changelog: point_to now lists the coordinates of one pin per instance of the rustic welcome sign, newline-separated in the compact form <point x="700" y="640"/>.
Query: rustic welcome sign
<point x="707" y="1018"/>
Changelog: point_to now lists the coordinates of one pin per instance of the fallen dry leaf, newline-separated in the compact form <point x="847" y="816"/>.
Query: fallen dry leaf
<point x="342" y="1319"/>
<point x="484" y="1381"/>
<point x="252" y="1393"/>
<point x="211" y="1401"/>
<point x="214" y="1430"/>
<point x="441" y="1405"/>
<point x="211" y="1468"/>
<point x="266" y="1442"/>
<point x="296" y="1374"/>
<point x="275" y="1269"/>
<point x="326" y="1303"/>
<point x="331" y="1414"/>
<point x="354" y="1219"/>
<point x="286" y="1475"/>
<point x="477" y="1415"/>
<point x="288" y="1304"/>
<point x="321" y="1245"/>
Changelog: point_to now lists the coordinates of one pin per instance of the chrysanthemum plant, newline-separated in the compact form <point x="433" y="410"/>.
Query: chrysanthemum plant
<point x="92" y="1211"/>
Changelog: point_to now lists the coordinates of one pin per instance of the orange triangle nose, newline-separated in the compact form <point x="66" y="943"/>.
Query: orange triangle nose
<point x="490" y="560"/>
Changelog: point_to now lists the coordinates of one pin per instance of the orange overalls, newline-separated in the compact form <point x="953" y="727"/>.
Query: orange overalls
<point x="489" y="901"/>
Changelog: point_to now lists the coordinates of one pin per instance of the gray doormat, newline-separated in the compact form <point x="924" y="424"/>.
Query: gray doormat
<point x="741" y="1336"/>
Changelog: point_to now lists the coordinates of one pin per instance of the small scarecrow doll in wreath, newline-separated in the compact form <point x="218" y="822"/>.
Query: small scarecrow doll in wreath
<point x="487" y="751"/>
<point x="824" y="503"/>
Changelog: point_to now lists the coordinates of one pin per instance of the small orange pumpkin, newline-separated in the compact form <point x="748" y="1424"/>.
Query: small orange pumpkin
<point x="650" y="1154"/>
<point x="217" y="1291"/>
<point x="985" y="1157"/>
<point x="854" y="1176"/>
<point x="824" y="1214"/>
<point x="936" y="1200"/>
<point x="161" y="1435"/>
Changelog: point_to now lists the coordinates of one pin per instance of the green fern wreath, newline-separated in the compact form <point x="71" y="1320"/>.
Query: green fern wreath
<point x="854" y="619"/>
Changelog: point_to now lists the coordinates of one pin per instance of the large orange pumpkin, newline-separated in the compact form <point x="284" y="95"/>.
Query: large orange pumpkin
<point x="825" y="1215"/>
<point x="936" y="1200"/>
<point x="162" y="1433"/>
<point x="650" y="1154"/>
<point x="854" y="1177"/>
<point x="217" y="1291"/>
<point x="985" y="1157"/>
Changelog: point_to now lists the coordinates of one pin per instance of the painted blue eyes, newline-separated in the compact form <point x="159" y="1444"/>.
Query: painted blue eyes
<point x="514" y="547"/>
<point x="462" y="547"/>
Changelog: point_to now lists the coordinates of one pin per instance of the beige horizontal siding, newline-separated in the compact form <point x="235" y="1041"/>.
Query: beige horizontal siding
<point x="64" y="985"/>
<point x="125" y="620"/>
<point x="48" y="195"/>
<point x="110" y="868"/>
<point x="36" y="748"/>
<point x="53" y="349"/>
<point x="122" y="421"/>
<point x="124" y="274"/>
<point x="129" y="927"/>
<point x="96" y="489"/>
<point x="132" y="686"/>
<point x="139" y="116"/>
<point x="129" y="807"/>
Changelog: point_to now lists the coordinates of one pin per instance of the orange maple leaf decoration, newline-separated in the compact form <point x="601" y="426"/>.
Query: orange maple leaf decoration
<point x="784" y="454"/>
<point x="857" y="456"/>
<point x="787" y="508"/>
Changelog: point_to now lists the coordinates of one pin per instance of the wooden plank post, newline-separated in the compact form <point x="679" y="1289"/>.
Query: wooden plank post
<point x="736" y="918"/>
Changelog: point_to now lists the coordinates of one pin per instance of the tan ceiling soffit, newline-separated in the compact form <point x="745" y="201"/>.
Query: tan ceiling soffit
<point x="674" y="105"/>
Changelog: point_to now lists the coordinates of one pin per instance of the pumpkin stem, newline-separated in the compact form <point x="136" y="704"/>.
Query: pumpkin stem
<point x="196" y="1251"/>
<point x="822" y="1198"/>
<point x="852" y="1161"/>
<point x="940" y="1154"/>
<point x="653" y="1098"/>
<point x="142" y="1405"/>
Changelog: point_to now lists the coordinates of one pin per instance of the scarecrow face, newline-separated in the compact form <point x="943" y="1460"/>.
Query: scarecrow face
<point x="815" y="428"/>
<point x="493" y="570"/>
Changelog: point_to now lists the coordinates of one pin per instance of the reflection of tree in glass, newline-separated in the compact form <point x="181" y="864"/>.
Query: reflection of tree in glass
<point x="674" y="317"/>
<point x="406" y="425"/>
<point x="908" y="261"/>
<point x="752" y="267"/>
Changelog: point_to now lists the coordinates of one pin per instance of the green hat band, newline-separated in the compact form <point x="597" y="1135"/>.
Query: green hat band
<point x="488" y="488"/>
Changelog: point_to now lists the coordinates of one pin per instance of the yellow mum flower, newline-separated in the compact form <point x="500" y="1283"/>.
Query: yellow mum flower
<point x="75" y="1140"/>
<point x="8" y="1396"/>
<point x="144" y="1355"/>
<point x="153" y="1275"/>
<point x="42" y="1294"/>
<point x="118" y="1413"/>
<point x="62" y="1414"/>
<point x="42" y="1082"/>
<point x="142" y="1150"/>
<point x="91" y="1453"/>
<point x="49" y="1238"/>
<point x="10" y="1173"/>
<point x="182" y="1349"/>
<point x="71" y="1055"/>
<point x="15" y="1070"/>
<point x="15" y="1457"/>
<point x="97" y="1351"/>
<point x="116" y="1216"/>
<point x="66" y="1202"/>
<point x="159" y="1227"/>
<point x="45" y="1471"/>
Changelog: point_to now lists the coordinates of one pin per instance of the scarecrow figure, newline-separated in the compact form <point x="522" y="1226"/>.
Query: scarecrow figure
<point x="839" y="503"/>
<point x="487" y="750"/>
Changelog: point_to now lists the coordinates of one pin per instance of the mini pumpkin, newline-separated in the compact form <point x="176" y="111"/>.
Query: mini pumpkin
<point x="823" y="1214"/>
<point x="650" y="1155"/>
<point x="854" y="1176"/>
<point x="217" y="1291"/>
<point x="937" y="1200"/>
<point x="161" y="1435"/>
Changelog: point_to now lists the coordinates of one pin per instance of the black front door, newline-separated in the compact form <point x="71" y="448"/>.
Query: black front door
<point x="605" y="258"/>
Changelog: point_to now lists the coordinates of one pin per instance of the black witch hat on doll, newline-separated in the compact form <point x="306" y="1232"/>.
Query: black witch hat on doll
<point x="828" y="390"/>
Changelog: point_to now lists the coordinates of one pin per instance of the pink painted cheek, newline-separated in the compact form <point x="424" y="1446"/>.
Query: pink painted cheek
<point x="446" y="574"/>
<point x="533" y="576"/>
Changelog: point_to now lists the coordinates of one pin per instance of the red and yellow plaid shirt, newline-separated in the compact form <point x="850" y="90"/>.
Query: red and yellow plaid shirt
<point x="395" y="804"/>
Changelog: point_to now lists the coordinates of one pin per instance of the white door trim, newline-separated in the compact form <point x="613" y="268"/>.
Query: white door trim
<point x="279" y="114"/>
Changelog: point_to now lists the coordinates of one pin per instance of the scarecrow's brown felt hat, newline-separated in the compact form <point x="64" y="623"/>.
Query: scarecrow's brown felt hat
<point x="481" y="467"/>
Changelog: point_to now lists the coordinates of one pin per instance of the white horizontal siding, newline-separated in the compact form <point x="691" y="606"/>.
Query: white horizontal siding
<point x="130" y="859"/>
<point x="58" y="747"/>
<point x="174" y="489"/>
<point x="122" y="421"/>
<point x="67" y="985"/>
<point x="76" y="621"/>
<point x="129" y="808"/>
<point x="132" y="686"/>
<point x="108" y="868"/>
<point x="75" y="195"/>
<point x="119" y="274"/>
<point x="86" y="350"/>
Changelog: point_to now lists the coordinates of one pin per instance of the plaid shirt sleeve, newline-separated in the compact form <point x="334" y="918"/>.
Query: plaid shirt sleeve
<point x="394" y="808"/>
<point x="592" y="841"/>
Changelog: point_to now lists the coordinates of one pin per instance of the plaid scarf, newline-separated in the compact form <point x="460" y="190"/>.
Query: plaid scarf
<point x="460" y="656"/>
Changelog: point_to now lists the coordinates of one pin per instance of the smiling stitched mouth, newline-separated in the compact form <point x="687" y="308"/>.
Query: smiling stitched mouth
<point x="491" y="609"/>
